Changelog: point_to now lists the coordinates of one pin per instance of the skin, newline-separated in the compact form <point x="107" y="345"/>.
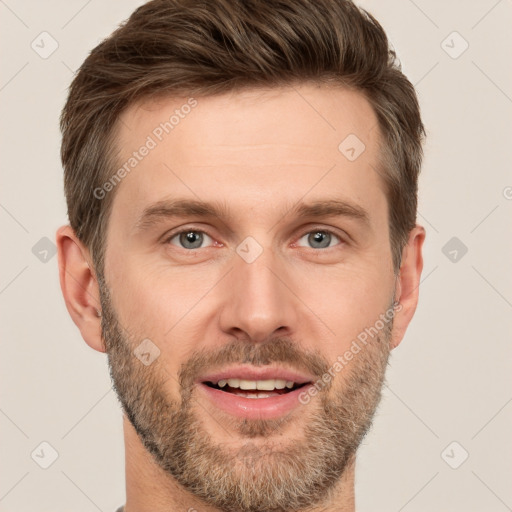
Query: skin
<point x="260" y="152"/>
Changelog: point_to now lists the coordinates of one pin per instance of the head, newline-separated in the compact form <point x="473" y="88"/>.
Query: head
<point x="285" y="143"/>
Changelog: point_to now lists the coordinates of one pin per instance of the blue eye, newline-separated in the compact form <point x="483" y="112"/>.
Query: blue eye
<point x="320" y="239"/>
<point x="189" y="239"/>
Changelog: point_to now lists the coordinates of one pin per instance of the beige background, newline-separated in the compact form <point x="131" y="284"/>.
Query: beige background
<point x="448" y="381"/>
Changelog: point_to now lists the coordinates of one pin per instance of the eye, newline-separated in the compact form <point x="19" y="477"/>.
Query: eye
<point x="319" y="238"/>
<point x="189" y="239"/>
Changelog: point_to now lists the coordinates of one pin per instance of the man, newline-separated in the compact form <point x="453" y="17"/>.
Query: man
<point x="241" y="181"/>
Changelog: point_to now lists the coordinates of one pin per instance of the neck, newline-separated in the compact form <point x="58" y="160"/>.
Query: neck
<point x="150" y="489"/>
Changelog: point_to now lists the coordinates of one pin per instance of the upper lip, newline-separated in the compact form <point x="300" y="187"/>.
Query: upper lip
<point x="255" y="373"/>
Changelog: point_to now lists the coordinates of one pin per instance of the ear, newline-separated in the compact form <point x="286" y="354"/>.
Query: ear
<point x="407" y="284"/>
<point x="79" y="286"/>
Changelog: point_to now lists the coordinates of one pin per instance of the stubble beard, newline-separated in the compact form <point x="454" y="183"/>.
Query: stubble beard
<point x="263" y="472"/>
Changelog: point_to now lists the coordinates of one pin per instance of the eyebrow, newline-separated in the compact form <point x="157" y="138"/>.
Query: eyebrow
<point x="167" y="209"/>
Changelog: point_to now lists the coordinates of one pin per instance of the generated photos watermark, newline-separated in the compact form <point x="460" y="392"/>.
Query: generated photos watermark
<point x="151" y="142"/>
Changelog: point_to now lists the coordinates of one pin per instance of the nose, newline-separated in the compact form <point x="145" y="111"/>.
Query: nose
<point x="260" y="301"/>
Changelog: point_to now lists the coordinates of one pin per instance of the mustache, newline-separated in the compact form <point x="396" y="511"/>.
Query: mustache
<point x="277" y="350"/>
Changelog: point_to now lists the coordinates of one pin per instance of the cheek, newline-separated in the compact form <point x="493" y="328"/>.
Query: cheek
<point x="158" y="306"/>
<point x="347" y="300"/>
<point x="154" y="290"/>
<point x="157" y="300"/>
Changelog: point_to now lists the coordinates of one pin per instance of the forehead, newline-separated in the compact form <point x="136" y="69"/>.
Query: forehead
<point x="308" y="116"/>
<point x="248" y="148"/>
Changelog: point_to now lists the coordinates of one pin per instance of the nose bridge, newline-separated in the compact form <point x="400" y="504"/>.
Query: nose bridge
<point x="257" y="302"/>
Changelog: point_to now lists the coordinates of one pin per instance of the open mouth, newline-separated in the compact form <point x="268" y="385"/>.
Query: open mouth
<point x="255" y="389"/>
<point x="256" y="395"/>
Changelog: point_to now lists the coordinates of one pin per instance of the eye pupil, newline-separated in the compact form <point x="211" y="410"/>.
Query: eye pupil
<point x="320" y="237"/>
<point x="191" y="237"/>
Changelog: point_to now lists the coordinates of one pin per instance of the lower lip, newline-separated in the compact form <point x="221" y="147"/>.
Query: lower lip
<point x="253" y="408"/>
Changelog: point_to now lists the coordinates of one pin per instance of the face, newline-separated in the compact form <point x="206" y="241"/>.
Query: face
<point x="247" y="261"/>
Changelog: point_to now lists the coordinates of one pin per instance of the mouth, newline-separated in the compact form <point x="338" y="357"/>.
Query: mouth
<point x="251" y="394"/>
<point x="255" y="389"/>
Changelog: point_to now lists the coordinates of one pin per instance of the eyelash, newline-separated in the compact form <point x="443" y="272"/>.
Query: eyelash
<point x="168" y="239"/>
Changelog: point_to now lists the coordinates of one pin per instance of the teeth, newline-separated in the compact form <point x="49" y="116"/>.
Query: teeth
<point x="255" y="395"/>
<point x="264" y="385"/>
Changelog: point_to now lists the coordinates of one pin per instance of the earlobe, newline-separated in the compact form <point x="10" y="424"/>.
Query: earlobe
<point x="79" y="286"/>
<point x="408" y="282"/>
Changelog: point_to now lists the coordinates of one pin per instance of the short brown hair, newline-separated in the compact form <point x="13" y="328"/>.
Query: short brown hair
<point x="199" y="47"/>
